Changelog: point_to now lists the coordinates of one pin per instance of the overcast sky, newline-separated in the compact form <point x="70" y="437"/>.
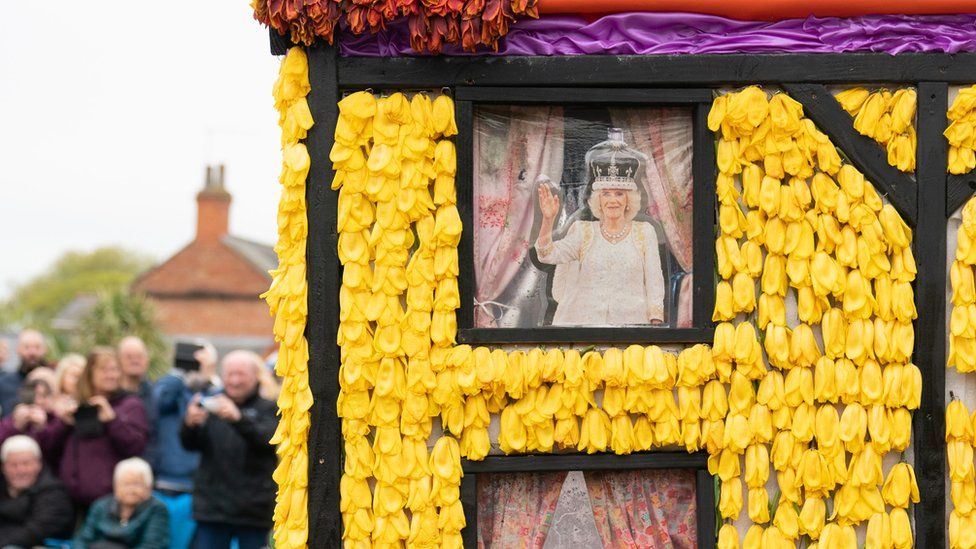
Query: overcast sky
<point x="109" y="113"/>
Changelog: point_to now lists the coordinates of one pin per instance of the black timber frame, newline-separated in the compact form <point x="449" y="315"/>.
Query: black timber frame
<point x="698" y="101"/>
<point x="934" y="196"/>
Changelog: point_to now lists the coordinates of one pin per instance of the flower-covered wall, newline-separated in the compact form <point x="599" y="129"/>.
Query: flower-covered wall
<point x="805" y="396"/>
<point x="807" y="387"/>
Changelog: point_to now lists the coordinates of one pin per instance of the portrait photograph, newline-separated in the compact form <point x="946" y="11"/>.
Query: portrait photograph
<point x="582" y="216"/>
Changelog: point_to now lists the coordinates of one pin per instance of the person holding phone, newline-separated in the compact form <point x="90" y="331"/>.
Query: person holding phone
<point x="194" y="371"/>
<point x="32" y="413"/>
<point x="233" y="491"/>
<point x="106" y="426"/>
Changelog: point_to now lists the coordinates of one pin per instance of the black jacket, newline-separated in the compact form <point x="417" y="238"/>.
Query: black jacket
<point x="233" y="484"/>
<point x="43" y="511"/>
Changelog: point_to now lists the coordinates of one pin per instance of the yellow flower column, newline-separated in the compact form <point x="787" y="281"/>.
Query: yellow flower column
<point x="961" y="132"/>
<point x="962" y="356"/>
<point x="798" y="224"/>
<point x="287" y="300"/>
<point x="398" y="246"/>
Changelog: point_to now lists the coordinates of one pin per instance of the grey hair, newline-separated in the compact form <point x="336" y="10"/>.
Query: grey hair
<point x="19" y="443"/>
<point x="134" y="464"/>
<point x="249" y="356"/>
<point x="133" y="340"/>
<point x="633" y="204"/>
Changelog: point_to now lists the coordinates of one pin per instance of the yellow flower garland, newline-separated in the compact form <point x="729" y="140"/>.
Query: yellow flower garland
<point x="959" y="451"/>
<point x="814" y="228"/>
<point x="961" y="133"/>
<point x="396" y="242"/>
<point x="287" y="300"/>
<point x="886" y="117"/>
<point x="962" y="322"/>
<point x="962" y="356"/>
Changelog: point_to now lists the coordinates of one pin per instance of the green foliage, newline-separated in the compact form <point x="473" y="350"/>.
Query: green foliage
<point x="118" y="314"/>
<point x="36" y="302"/>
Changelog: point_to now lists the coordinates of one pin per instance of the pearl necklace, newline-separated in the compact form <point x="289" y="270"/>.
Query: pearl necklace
<point x="614" y="236"/>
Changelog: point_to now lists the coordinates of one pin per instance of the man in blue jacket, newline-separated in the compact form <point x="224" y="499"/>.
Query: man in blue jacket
<point x="172" y="464"/>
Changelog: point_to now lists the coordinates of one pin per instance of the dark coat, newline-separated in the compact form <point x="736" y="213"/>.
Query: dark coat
<point x="233" y="484"/>
<point x="42" y="511"/>
<point x="10" y="383"/>
<point x="86" y="465"/>
<point x="148" y="527"/>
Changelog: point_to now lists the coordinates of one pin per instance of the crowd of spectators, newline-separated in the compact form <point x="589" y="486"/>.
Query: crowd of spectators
<point x="96" y="455"/>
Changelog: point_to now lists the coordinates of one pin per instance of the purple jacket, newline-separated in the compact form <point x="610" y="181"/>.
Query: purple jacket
<point x="7" y="430"/>
<point x="86" y="465"/>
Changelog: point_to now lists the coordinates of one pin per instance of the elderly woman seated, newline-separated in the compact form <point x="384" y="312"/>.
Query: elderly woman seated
<point x="130" y="517"/>
<point x="33" y="504"/>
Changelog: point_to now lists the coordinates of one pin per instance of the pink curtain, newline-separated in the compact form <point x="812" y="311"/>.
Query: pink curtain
<point x="665" y="136"/>
<point x="515" y="510"/>
<point x="649" y="509"/>
<point x="513" y="146"/>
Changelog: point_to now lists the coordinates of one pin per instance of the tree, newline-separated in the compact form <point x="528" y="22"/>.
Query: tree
<point x="36" y="302"/>
<point x="118" y="314"/>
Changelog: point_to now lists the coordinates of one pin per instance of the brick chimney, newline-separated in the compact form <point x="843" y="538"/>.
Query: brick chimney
<point x="213" y="206"/>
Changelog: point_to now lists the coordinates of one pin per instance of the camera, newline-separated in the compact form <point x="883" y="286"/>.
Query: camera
<point x="210" y="404"/>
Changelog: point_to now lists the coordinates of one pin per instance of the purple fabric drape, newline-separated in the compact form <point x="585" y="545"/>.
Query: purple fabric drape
<point x="643" y="33"/>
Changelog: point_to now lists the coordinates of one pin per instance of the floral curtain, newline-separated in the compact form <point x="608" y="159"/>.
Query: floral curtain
<point x="513" y="147"/>
<point x="665" y="136"/>
<point x="648" y="509"/>
<point x="515" y="510"/>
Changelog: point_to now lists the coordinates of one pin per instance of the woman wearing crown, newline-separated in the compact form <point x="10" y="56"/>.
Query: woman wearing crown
<point x="614" y="262"/>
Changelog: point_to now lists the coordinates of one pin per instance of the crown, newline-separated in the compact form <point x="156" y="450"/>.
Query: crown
<point x="609" y="176"/>
<point x="613" y="164"/>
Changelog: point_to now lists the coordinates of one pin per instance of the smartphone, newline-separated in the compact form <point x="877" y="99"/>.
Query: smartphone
<point x="183" y="359"/>
<point x="87" y="424"/>
<point x="25" y="395"/>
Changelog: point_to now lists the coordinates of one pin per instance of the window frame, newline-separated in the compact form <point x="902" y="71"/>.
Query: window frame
<point x="704" y="173"/>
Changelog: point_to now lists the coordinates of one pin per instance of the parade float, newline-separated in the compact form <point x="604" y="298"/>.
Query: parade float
<point x="634" y="273"/>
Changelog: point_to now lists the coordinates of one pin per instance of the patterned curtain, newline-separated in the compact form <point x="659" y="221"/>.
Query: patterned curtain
<point x="513" y="146"/>
<point x="515" y="509"/>
<point x="649" y="509"/>
<point x="665" y="136"/>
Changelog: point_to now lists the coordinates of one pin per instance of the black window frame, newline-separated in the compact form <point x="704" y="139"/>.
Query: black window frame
<point x="704" y="172"/>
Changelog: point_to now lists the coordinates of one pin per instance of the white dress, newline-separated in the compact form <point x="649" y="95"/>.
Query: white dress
<point x="599" y="283"/>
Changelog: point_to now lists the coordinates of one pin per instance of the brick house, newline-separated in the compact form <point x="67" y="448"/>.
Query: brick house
<point x="210" y="288"/>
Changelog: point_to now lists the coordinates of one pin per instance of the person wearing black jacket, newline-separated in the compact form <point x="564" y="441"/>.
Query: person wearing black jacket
<point x="33" y="504"/>
<point x="233" y="491"/>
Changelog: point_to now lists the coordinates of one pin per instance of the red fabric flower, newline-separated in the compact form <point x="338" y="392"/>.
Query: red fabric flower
<point x="470" y="33"/>
<point x="432" y="23"/>
<point x="419" y="30"/>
